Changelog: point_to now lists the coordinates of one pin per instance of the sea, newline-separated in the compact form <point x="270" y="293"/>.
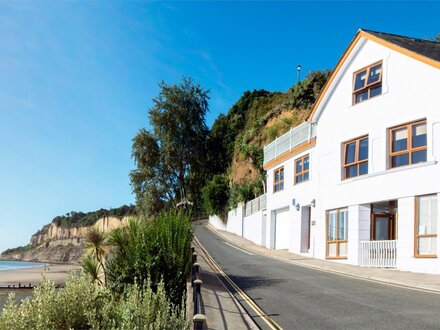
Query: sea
<point x="6" y="265"/>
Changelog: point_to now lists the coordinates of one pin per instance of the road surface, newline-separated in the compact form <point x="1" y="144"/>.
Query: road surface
<point x="302" y="298"/>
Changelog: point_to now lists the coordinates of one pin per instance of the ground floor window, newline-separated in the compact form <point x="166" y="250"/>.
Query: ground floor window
<point x="425" y="238"/>
<point x="337" y="233"/>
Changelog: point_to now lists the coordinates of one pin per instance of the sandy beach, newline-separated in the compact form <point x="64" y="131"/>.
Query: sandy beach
<point x="55" y="272"/>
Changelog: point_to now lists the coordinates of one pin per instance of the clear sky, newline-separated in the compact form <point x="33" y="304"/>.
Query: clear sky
<point x="77" y="79"/>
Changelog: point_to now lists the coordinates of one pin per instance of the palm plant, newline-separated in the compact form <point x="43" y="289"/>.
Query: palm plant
<point x="96" y="251"/>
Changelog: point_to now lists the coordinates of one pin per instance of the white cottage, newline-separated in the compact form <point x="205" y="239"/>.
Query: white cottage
<point x="359" y="182"/>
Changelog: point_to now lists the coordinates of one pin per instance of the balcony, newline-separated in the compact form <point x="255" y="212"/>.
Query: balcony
<point x="379" y="253"/>
<point x="288" y="141"/>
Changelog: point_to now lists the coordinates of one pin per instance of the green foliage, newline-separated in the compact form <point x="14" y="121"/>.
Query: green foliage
<point x="227" y="128"/>
<point x="216" y="195"/>
<point x="306" y="92"/>
<point x="158" y="248"/>
<point x="82" y="305"/>
<point x="245" y="192"/>
<point x="170" y="159"/>
<point x="81" y="219"/>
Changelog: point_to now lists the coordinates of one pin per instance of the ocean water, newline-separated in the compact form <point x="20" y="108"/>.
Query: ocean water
<point x="5" y="265"/>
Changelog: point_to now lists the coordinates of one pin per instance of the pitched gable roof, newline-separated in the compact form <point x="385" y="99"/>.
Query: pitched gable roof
<point x="422" y="50"/>
<point x="427" y="48"/>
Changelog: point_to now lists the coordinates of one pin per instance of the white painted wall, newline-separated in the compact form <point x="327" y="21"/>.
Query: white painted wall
<point x="233" y="223"/>
<point x="253" y="228"/>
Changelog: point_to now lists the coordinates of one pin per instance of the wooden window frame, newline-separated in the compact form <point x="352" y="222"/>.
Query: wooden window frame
<point x="337" y="241"/>
<point x="303" y="172"/>
<point x="367" y="87"/>
<point x="280" y="181"/>
<point x="409" y="149"/>
<point x="416" y="227"/>
<point x="356" y="162"/>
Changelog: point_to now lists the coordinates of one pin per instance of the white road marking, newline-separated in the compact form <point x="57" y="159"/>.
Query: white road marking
<point x="239" y="249"/>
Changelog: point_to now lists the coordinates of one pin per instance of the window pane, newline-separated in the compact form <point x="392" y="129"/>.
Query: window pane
<point x="400" y="139"/>
<point x="361" y="97"/>
<point x="363" y="149"/>
<point x="350" y="153"/>
<point x="360" y="80"/>
<point x="427" y="215"/>
<point x="277" y="176"/>
<point x="400" y="160"/>
<point x="281" y="186"/>
<point x="331" y="231"/>
<point x="363" y="168"/>
<point x="332" y="249"/>
<point x="282" y="174"/>
<point x="375" y="74"/>
<point x="276" y="187"/>
<point x="306" y="163"/>
<point x="306" y="176"/>
<point x="418" y="156"/>
<point x="342" y="224"/>
<point x="298" y="168"/>
<point x="427" y="245"/>
<point x="419" y="135"/>
<point x="299" y="179"/>
<point x="376" y="91"/>
<point x="343" y="249"/>
<point x="351" y="171"/>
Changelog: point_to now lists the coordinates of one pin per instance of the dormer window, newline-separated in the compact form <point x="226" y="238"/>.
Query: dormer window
<point x="367" y="83"/>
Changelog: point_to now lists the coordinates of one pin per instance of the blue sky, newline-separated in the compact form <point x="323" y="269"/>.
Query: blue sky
<point x="77" y="79"/>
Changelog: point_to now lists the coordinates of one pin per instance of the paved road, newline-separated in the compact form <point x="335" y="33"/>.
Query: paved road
<point x="302" y="298"/>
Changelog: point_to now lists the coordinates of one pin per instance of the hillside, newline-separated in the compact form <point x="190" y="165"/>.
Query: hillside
<point x="256" y="119"/>
<point x="62" y="239"/>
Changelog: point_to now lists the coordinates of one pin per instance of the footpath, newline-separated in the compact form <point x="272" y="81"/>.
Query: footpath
<point x="426" y="282"/>
<point x="222" y="309"/>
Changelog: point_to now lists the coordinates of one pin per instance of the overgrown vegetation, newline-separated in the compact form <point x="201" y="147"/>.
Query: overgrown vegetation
<point x="83" y="305"/>
<point x="142" y="286"/>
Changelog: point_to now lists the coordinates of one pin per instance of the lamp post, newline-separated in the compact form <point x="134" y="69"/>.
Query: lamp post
<point x="299" y="72"/>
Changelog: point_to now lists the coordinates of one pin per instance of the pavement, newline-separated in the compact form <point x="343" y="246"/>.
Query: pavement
<point x="430" y="282"/>
<point x="299" y="293"/>
<point x="222" y="309"/>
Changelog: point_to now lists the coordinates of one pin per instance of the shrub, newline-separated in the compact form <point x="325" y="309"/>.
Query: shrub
<point x="159" y="248"/>
<point x="216" y="195"/>
<point x="82" y="305"/>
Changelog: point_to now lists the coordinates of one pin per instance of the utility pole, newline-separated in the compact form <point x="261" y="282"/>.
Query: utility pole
<point x="299" y="73"/>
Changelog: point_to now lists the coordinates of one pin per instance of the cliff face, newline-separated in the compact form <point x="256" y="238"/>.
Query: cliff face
<point x="56" y="244"/>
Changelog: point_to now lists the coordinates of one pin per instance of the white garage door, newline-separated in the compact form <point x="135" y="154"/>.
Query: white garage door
<point x="282" y="230"/>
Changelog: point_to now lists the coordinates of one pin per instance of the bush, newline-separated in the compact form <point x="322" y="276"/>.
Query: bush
<point x="216" y="195"/>
<point x="158" y="248"/>
<point x="82" y="305"/>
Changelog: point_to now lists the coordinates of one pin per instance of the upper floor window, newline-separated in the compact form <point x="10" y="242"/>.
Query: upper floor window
<point x="356" y="157"/>
<point x="367" y="83"/>
<point x="302" y="169"/>
<point x="426" y="226"/>
<point x="278" y="181"/>
<point x="408" y="144"/>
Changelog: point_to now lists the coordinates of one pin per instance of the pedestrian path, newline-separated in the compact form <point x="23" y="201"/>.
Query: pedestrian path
<point x="429" y="282"/>
<point x="222" y="310"/>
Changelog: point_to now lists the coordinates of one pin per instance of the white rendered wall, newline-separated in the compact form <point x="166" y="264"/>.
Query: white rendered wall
<point x="232" y="224"/>
<point x="253" y="227"/>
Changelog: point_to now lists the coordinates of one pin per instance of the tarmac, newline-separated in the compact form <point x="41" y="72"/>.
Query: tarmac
<point x="223" y="311"/>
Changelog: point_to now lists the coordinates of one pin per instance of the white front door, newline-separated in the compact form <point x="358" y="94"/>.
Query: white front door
<point x="282" y="230"/>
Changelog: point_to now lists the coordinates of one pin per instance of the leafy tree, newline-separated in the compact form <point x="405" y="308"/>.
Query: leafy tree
<point x="170" y="159"/>
<point x="306" y="92"/>
<point x="437" y="38"/>
<point x="216" y="195"/>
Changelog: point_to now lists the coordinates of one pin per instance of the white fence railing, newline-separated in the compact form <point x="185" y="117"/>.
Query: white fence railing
<point x="289" y="140"/>
<point x="378" y="253"/>
<point x="255" y="205"/>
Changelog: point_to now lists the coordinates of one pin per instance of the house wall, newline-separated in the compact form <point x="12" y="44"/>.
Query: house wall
<point x="233" y="223"/>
